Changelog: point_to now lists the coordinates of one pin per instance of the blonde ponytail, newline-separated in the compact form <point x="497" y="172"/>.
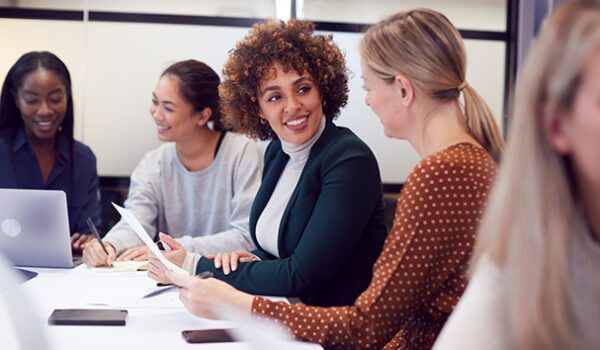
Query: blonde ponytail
<point x="481" y="123"/>
<point x="424" y="46"/>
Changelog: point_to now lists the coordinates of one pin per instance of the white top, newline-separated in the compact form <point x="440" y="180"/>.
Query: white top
<point x="267" y="226"/>
<point x="480" y="321"/>
<point x="212" y="205"/>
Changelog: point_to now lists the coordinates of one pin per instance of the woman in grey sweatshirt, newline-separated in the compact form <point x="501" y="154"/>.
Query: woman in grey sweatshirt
<point x="198" y="186"/>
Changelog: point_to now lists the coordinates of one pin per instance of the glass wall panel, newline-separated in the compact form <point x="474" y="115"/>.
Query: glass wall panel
<point x="227" y="8"/>
<point x="488" y="15"/>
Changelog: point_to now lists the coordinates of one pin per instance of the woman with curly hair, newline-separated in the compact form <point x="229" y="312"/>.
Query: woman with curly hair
<point x="413" y="68"/>
<point x="318" y="217"/>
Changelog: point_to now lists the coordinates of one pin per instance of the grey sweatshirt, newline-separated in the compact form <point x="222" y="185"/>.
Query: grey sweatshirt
<point x="207" y="211"/>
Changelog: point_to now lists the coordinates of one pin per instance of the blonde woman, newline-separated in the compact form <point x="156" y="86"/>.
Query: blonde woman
<point x="413" y="67"/>
<point x="536" y="283"/>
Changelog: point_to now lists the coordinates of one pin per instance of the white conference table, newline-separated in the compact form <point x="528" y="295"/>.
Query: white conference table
<point x="154" y="323"/>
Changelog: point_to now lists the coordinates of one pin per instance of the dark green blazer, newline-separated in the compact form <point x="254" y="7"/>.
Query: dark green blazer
<point x="332" y="229"/>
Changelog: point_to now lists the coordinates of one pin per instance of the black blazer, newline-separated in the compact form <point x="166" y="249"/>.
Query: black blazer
<point x="332" y="229"/>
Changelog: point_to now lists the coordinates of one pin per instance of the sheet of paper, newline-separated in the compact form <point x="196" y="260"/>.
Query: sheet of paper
<point x="143" y="235"/>
<point x="121" y="266"/>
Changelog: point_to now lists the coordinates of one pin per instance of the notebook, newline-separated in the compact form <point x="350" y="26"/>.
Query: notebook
<point x="34" y="228"/>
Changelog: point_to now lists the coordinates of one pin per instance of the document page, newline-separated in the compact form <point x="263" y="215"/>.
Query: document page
<point x="145" y="237"/>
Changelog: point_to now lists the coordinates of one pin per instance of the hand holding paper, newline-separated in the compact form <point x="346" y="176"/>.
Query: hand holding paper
<point x="143" y="235"/>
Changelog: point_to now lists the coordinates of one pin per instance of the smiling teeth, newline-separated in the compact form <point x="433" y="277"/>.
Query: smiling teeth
<point x="296" y="122"/>
<point x="40" y="123"/>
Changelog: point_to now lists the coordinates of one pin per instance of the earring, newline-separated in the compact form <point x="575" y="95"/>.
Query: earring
<point x="324" y="103"/>
<point x="263" y="121"/>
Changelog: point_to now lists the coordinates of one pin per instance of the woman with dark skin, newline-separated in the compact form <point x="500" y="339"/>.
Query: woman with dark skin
<point x="36" y="139"/>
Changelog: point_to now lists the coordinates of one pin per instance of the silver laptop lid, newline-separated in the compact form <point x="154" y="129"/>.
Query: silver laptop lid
<point x="34" y="228"/>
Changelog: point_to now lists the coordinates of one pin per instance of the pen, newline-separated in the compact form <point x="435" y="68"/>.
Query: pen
<point x="96" y="234"/>
<point x="205" y="274"/>
<point x="163" y="246"/>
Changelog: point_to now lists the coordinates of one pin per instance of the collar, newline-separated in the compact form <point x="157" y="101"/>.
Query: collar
<point x="62" y="147"/>
<point x="295" y="151"/>
<point x="62" y="144"/>
<point x="20" y="140"/>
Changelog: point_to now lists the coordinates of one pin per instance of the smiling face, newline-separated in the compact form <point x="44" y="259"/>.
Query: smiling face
<point x="175" y="118"/>
<point x="291" y="103"/>
<point x="42" y="101"/>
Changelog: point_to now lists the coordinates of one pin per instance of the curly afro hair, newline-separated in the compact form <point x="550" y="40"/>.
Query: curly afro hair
<point x="294" y="46"/>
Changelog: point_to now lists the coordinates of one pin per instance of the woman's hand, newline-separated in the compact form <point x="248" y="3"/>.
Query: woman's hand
<point x="156" y="269"/>
<point x="94" y="255"/>
<point x="136" y="254"/>
<point x="78" y="240"/>
<point x="230" y="261"/>
<point x="202" y="296"/>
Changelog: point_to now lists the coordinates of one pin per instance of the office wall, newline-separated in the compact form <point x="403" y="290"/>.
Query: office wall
<point x="465" y="14"/>
<point x="115" y="67"/>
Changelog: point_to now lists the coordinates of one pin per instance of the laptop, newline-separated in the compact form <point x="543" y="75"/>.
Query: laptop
<point x="34" y="228"/>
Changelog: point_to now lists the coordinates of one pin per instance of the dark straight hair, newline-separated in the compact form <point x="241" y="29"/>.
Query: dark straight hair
<point x="199" y="85"/>
<point x="10" y="116"/>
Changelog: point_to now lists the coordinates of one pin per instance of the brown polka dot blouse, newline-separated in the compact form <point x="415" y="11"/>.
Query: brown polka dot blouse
<point x="420" y="274"/>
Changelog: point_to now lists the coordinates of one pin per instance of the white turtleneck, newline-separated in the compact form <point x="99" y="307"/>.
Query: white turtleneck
<point x="267" y="227"/>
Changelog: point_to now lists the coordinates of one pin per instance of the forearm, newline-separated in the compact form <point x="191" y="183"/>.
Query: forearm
<point x="332" y="327"/>
<point x="279" y="277"/>
<point x="122" y="237"/>
<point x="226" y="241"/>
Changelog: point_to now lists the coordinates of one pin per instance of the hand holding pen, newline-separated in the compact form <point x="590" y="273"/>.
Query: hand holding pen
<point x="205" y="274"/>
<point x="98" y="253"/>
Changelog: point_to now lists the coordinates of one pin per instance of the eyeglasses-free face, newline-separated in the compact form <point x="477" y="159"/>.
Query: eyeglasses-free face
<point x="291" y="103"/>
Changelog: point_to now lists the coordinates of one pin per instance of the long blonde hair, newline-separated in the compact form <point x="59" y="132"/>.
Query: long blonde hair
<point x="530" y="217"/>
<point x="424" y="46"/>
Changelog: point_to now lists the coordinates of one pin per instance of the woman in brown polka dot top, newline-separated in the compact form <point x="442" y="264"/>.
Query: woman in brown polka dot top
<point x="413" y="68"/>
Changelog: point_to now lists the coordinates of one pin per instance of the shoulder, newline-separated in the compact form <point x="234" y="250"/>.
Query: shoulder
<point x="5" y="146"/>
<point x="4" y="139"/>
<point x="237" y="145"/>
<point x="160" y="154"/>
<point x="459" y="167"/>
<point x="83" y="153"/>
<point x="273" y="149"/>
<point x="343" y="138"/>
<point x="153" y="161"/>
<point x="340" y="144"/>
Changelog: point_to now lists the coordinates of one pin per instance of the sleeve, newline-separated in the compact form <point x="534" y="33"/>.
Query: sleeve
<point x="144" y="201"/>
<point x="425" y="249"/>
<point x="479" y="320"/>
<point x="246" y="180"/>
<point x="350" y="188"/>
<point x="91" y="208"/>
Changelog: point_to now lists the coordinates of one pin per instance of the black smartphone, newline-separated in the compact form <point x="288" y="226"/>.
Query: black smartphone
<point x="207" y="336"/>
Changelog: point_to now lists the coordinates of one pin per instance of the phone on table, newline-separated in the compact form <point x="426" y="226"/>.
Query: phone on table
<point x="207" y="336"/>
